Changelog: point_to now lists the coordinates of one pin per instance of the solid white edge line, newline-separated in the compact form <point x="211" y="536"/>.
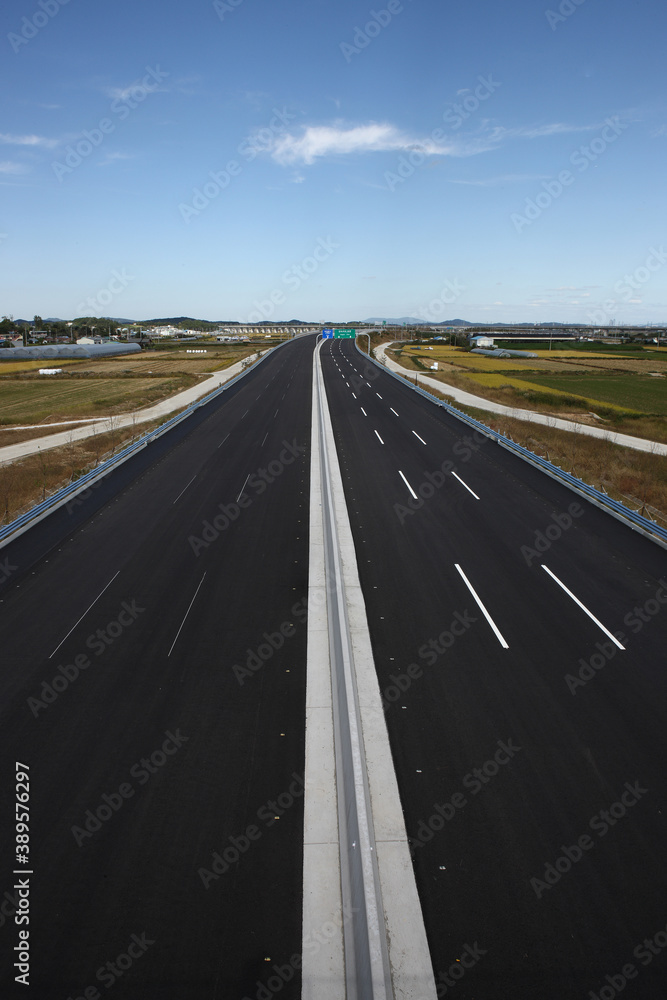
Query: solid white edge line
<point x="496" y="630"/>
<point x="84" y="615"/>
<point x="409" y="956"/>
<point x="417" y="436"/>
<point x="185" y="488"/>
<point x="583" y="607"/>
<point x="466" y="485"/>
<point x="408" y="485"/>
<point x="379" y="438"/>
<point x="186" y="615"/>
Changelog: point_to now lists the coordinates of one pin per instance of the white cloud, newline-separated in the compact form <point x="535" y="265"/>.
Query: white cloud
<point x="27" y="140"/>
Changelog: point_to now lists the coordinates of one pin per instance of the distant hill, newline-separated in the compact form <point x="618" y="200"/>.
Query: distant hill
<point x="413" y="321"/>
<point x="175" y="320"/>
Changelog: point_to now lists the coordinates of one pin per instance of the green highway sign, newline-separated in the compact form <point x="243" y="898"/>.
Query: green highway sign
<point x="341" y="334"/>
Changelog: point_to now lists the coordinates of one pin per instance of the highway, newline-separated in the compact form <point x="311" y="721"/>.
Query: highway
<point x="154" y="639"/>
<point x="503" y="763"/>
<point x="178" y="698"/>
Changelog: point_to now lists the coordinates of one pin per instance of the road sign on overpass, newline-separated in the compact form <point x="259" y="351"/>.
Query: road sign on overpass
<point x="327" y="333"/>
<point x="342" y="334"/>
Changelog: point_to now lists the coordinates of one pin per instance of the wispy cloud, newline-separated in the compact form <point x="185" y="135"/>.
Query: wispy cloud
<point x="27" y="140"/>
<point x="339" y="139"/>
<point x="9" y="167"/>
<point x="555" y="128"/>
<point x="317" y="141"/>
<point x="496" y="181"/>
<point x="139" y="87"/>
<point x="114" y="158"/>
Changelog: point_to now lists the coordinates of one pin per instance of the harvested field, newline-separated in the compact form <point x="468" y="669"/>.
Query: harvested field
<point x="29" y="400"/>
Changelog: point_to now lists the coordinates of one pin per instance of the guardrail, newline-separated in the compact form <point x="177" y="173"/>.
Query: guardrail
<point x="636" y="521"/>
<point x="31" y="517"/>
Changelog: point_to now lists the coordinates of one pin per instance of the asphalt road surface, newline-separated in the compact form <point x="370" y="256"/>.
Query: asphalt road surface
<point x="151" y="752"/>
<point x="153" y="679"/>
<point x="529" y="747"/>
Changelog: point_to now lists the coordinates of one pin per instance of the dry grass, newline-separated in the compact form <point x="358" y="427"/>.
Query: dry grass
<point x="519" y="394"/>
<point x="31" y="480"/>
<point x="636" y="478"/>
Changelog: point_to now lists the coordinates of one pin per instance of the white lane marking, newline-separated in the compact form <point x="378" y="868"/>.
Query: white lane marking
<point x="245" y="414"/>
<point x="583" y="607"/>
<point x="408" y="485"/>
<point x="354" y="395"/>
<point x="363" y="411"/>
<point x="419" y="438"/>
<point x="486" y="614"/>
<point x="186" y="615"/>
<point x="466" y="486"/>
<point x="185" y="488"/>
<point x="275" y="415"/>
<point x="223" y="440"/>
<point x="368" y="384"/>
<point x="393" y="410"/>
<point x="379" y="438"/>
<point x="243" y="487"/>
<point x="378" y="395"/>
<point x="84" y="614"/>
<point x="265" y="437"/>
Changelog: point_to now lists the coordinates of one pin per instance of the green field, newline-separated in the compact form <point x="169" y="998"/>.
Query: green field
<point x="31" y="400"/>
<point x="641" y="393"/>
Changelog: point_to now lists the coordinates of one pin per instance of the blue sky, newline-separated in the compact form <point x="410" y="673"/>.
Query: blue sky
<point x="266" y="159"/>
